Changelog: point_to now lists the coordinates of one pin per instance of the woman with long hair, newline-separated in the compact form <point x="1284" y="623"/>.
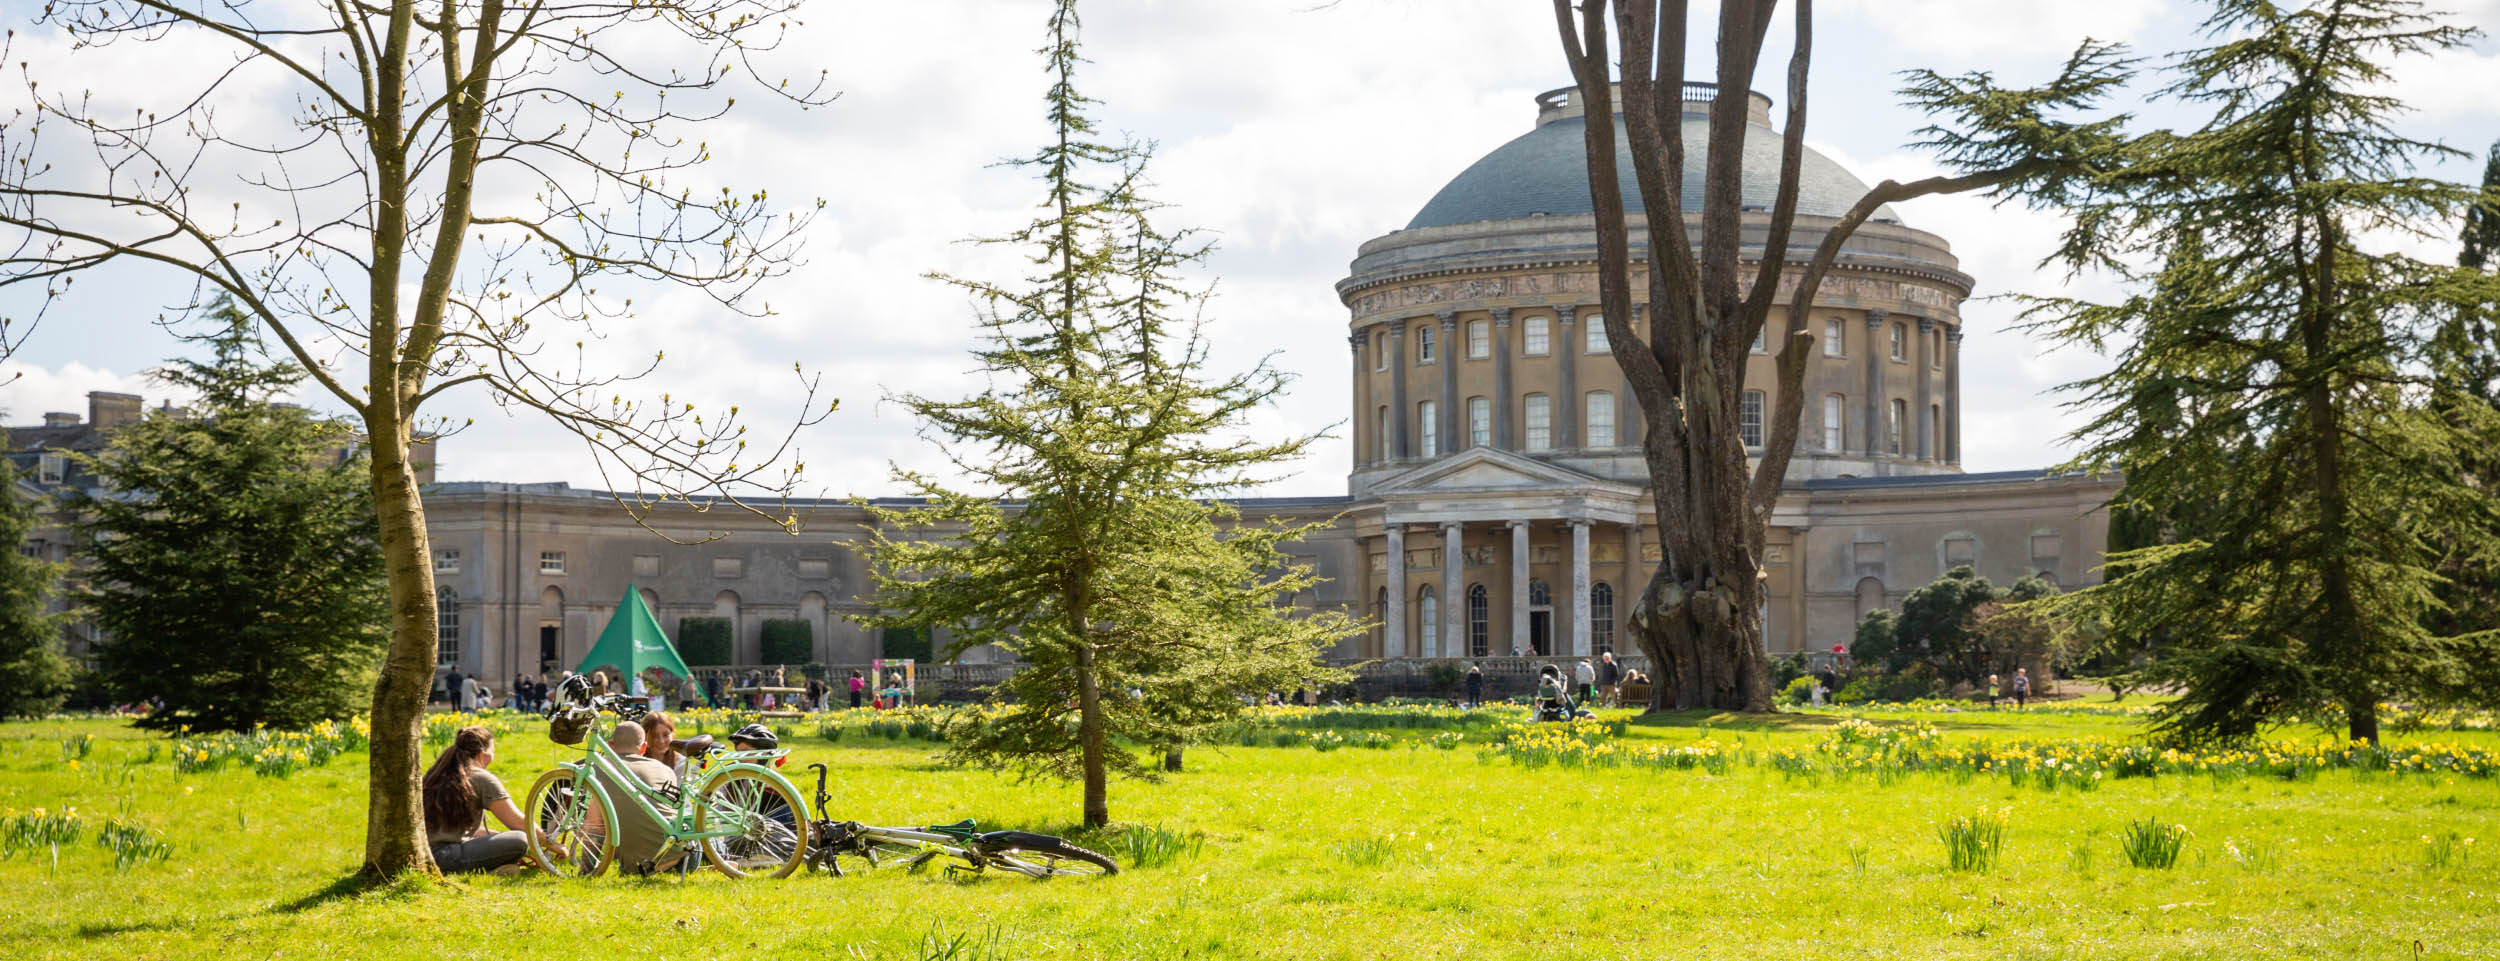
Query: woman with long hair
<point x="459" y="790"/>
<point x="660" y="729"/>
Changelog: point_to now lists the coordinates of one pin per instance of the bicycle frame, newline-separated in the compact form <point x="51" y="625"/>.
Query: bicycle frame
<point x="600" y="759"/>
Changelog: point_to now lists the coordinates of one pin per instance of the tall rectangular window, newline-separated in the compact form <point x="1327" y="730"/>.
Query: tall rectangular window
<point x="1749" y="418"/>
<point x="1834" y="432"/>
<point x="1601" y="418"/>
<point x="1892" y="431"/>
<point x="1534" y="337"/>
<point x="1428" y="428"/>
<point x="1597" y="334"/>
<point x="1537" y="411"/>
<point x="1761" y="342"/>
<point x="1479" y="340"/>
<point x="49" y="468"/>
<point x="1423" y="345"/>
<point x="1935" y="349"/>
<point x="551" y="562"/>
<point x="1387" y="434"/>
<point x="446" y="627"/>
<point x="1935" y="432"/>
<point x="1900" y="340"/>
<point x="1479" y="422"/>
<point x="1380" y="351"/>
<point x="1833" y="345"/>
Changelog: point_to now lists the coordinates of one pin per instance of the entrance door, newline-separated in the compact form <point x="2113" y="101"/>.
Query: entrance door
<point x="1540" y="632"/>
<point x="548" y="637"/>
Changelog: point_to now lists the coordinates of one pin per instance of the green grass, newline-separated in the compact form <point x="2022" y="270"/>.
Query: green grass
<point x="1290" y="852"/>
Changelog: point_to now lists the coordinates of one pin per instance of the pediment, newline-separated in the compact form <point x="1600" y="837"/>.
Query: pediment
<point x="1487" y="469"/>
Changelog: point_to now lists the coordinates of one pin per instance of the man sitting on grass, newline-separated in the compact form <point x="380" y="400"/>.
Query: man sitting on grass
<point x="639" y="836"/>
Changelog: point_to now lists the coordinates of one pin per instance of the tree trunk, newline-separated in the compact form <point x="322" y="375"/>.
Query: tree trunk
<point x="1172" y="758"/>
<point x="394" y="818"/>
<point x="1090" y="739"/>
<point x="2362" y="720"/>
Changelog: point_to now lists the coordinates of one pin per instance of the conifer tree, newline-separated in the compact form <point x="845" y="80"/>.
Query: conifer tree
<point x="2267" y="384"/>
<point x="1141" y="606"/>
<point x="33" y="675"/>
<point x="233" y="558"/>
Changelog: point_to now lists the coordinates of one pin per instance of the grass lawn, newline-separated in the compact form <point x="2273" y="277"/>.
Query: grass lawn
<point x="1352" y="853"/>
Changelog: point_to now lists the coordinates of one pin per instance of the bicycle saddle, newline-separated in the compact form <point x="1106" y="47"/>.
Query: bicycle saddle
<point x="960" y="829"/>
<point x="696" y="746"/>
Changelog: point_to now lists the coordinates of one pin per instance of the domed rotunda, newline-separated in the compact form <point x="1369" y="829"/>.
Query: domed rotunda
<point x="1496" y="453"/>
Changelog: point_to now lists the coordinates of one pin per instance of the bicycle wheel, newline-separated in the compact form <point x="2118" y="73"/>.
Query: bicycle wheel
<point x="771" y="838"/>
<point x="1054" y="858"/>
<point x="577" y="824"/>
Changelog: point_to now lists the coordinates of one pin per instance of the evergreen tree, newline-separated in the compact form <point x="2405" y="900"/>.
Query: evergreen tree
<point x="2270" y="375"/>
<point x="33" y="675"/>
<point x="1141" y="607"/>
<point x="1937" y="623"/>
<point x="234" y="565"/>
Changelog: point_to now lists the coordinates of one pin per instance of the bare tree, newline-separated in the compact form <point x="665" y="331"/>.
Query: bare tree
<point x="1699" y="619"/>
<point x="418" y="196"/>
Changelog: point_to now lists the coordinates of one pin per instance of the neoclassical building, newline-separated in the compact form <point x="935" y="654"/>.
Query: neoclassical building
<point x="1497" y="500"/>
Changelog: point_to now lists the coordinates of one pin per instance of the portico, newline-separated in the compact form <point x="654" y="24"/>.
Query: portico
<point x="1489" y="551"/>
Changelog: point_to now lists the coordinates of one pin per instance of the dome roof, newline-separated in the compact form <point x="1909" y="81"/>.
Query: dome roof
<point x="1545" y="171"/>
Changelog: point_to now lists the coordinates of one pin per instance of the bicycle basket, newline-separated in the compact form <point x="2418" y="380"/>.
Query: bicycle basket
<point x="569" y="727"/>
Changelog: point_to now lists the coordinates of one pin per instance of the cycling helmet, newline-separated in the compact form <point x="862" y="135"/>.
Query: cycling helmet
<point x="760" y="737"/>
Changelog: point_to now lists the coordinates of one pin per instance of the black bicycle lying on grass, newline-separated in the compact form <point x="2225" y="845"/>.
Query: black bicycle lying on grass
<point x="965" y="847"/>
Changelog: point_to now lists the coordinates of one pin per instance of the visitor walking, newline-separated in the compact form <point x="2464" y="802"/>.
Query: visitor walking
<point x="1994" y="691"/>
<point x="1475" y="685"/>
<point x="857" y="685"/>
<point x="816" y="693"/>
<point x="1610" y="679"/>
<point x="1826" y="684"/>
<point x="2022" y="687"/>
<point x="1584" y="682"/>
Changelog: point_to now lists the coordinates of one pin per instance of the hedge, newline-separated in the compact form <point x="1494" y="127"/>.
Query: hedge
<point x="705" y="641"/>
<point x="788" y="642"/>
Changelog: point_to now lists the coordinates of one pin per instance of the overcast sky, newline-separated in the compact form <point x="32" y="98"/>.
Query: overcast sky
<point x="1292" y="130"/>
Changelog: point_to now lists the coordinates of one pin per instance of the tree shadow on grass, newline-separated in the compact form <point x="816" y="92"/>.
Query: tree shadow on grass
<point x="356" y="885"/>
<point x="1732" y="721"/>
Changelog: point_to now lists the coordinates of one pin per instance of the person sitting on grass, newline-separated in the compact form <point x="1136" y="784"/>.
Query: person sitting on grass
<point x="639" y="836"/>
<point x="1549" y="694"/>
<point x="458" y="791"/>
<point x="659" y="733"/>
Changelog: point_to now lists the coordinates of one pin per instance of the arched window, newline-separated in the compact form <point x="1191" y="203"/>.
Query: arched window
<point x="1602" y="616"/>
<point x="446" y="626"/>
<point x="1428" y="429"/>
<point x="1540" y="595"/>
<point x="1870" y="596"/>
<point x="1427" y="621"/>
<point x="1749" y="418"/>
<point x="1479" y="422"/>
<point x="1600" y="414"/>
<point x="1596" y="336"/>
<point x="1834" y="429"/>
<point x="1892" y="431"/>
<point x="1537" y="413"/>
<point x="1479" y="340"/>
<point x="1479" y="622"/>
<point x="1533" y="337"/>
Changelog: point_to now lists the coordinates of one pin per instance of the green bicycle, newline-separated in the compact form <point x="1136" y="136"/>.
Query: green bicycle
<point x="745" y="818"/>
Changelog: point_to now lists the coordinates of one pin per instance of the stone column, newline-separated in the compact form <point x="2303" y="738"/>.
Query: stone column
<point x="1566" y="407"/>
<point x="1403" y="446"/>
<point x="1876" y="350"/>
<point x="1453" y="606"/>
<point x="1451" y="351"/>
<point x="1501" y="380"/>
<point x="1953" y="394"/>
<point x="1627" y="407"/>
<point x="1363" y="418"/>
<point x="1926" y="360"/>
<point x="1518" y="585"/>
<point x="1579" y="590"/>
<point x="1393" y="614"/>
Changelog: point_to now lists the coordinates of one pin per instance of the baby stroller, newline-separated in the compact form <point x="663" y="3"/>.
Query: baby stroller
<point x="1553" y="700"/>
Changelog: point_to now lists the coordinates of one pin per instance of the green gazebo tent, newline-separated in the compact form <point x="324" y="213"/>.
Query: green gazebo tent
<point x="632" y="642"/>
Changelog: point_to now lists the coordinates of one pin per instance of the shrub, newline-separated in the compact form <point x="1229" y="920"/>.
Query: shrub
<point x="705" y="641"/>
<point x="788" y="642"/>
<point x="2152" y="844"/>
<point x="1798" y="691"/>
